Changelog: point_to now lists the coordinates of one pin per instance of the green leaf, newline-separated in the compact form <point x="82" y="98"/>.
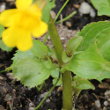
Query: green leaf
<point x="31" y="70"/>
<point x="82" y="84"/>
<point x="102" y="6"/>
<point x="73" y="44"/>
<point x="92" y="58"/>
<point x="103" y="43"/>
<point x="55" y="73"/>
<point x="98" y="33"/>
<point x="39" y="49"/>
<point x="46" y="10"/>
<point x="92" y="31"/>
<point x="4" y="47"/>
<point x="89" y="64"/>
<point x="66" y="57"/>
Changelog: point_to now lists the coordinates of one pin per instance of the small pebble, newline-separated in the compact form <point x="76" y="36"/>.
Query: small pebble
<point x="62" y="38"/>
<point x="98" y="104"/>
<point x="31" y="105"/>
<point x="107" y="93"/>
<point x="48" y="100"/>
<point x="1" y="78"/>
<point x="76" y="6"/>
<point x="106" y="103"/>
<point x="109" y="99"/>
<point x="43" y="95"/>
<point x="10" y="0"/>
<point x="8" y="97"/>
<point x="85" y="8"/>
<point x="31" y="108"/>
<point x="53" y="14"/>
<point x="104" y="108"/>
<point x="68" y="24"/>
<point x="10" y="76"/>
<point x="2" y="7"/>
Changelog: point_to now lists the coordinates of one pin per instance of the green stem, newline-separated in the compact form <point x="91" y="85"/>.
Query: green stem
<point x="55" y="40"/>
<point x="2" y="71"/>
<point x="66" y="18"/>
<point x="66" y="76"/>
<point x="6" y="70"/>
<point x="67" y="90"/>
<point x="61" y="10"/>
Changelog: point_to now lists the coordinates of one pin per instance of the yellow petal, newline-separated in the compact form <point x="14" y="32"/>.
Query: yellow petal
<point x="35" y="10"/>
<point x="23" y="4"/>
<point x="16" y="37"/>
<point x="40" y="29"/>
<point x="8" y="37"/>
<point x="28" y="22"/>
<point x="9" y="17"/>
<point x="24" y="41"/>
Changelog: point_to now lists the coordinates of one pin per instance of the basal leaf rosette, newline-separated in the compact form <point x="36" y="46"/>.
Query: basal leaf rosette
<point x="92" y="59"/>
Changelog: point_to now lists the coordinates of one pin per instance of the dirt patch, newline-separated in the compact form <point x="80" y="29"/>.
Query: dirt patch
<point x="14" y="96"/>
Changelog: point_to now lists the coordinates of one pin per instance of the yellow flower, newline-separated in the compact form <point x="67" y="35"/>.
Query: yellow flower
<point x="22" y="23"/>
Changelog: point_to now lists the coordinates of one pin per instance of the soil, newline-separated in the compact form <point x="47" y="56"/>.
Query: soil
<point x="14" y="96"/>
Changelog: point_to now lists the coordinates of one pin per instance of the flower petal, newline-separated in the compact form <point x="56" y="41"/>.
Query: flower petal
<point x="35" y="10"/>
<point x="24" y="41"/>
<point x="23" y="4"/>
<point x="28" y="22"/>
<point x="17" y="37"/>
<point x="40" y="29"/>
<point x="9" y="37"/>
<point x="9" y="17"/>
